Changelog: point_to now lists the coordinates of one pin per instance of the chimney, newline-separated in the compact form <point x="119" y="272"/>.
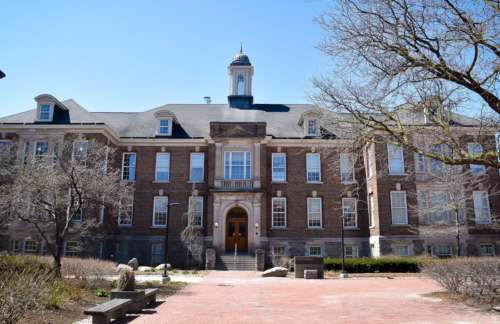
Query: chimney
<point x="208" y="100"/>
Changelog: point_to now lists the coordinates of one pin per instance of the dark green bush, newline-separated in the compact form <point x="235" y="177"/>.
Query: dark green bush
<point x="385" y="264"/>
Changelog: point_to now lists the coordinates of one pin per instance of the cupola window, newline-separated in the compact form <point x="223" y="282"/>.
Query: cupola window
<point x="240" y="86"/>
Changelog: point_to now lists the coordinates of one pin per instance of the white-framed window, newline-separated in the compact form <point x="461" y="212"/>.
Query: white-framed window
<point x="436" y="166"/>
<point x="315" y="250"/>
<point x="160" y="211"/>
<point x="278" y="161"/>
<point x="346" y="167"/>
<point x="396" y="159"/>
<point x="162" y="169"/>
<point x="237" y="165"/>
<point x="26" y="152"/>
<point x="126" y="213"/>
<point x="41" y="149"/>
<point x="399" y="208"/>
<point x="313" y="164"/>
<point x="78" y="217"/>
<point x="314" y="213"/>
<point x="443" y="250"/>
<point x="486" y="249"/>
<point x="372" y="209"/>
<point x="481" y="207"/>
<point x="156" y="253"/>
<point x="15" y="246"/>
<point x="128" y="166"/>
<point x="277" y="253"/>
<point x="101" y="214"/>
<point x="196" y="210"/>
<point x="71" y="248"/>
<point x="165" y="127"/>
<point x="351" y="251"/>
<point x="420" y="160"/>
<point x="401" y="250"/>
<point x="312" y="127"/>
<point x="197" y="167"/>
<point x="279" y="219"/>
<point x="5" y="147"/>
<point x="476" y="149"/>
<point x="45" y="112"/>
<point x="30" y="246"/>
<point x="349" y="213"/>
<point x="80" y="150"/>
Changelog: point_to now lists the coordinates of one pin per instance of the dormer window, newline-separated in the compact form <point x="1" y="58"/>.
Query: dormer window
<point x="165" y="127"/>
<point x="312" y="127"/>
<point x="45" y="112"/>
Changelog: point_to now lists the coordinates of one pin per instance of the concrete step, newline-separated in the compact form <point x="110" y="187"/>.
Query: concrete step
<point x="242" y="262"/>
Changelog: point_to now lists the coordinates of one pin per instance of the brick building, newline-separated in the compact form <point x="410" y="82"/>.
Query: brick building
<point x="259" y="176"/>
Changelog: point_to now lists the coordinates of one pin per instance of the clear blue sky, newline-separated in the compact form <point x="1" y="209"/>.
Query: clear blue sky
<point x="136" y="55"/>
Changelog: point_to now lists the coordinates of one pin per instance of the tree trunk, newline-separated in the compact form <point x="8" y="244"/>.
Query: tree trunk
<point x="457" y="225"/>
<point x="56" y="263"/>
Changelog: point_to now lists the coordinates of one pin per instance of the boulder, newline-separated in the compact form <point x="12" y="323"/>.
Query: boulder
<point x="275" y="272"/>
<point x="134" y="263"/>
<point x="122" y="267"/>
<point x="160" y="267"/>
<point x="145" y="269"/>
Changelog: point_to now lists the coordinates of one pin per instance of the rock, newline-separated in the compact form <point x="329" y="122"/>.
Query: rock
<point x="275" y="272"/>
<point x="310" y="274"/>
<point x="145" y="269"/>
<point x="134" y="263"/>
<point x="122" y="267"/>
<point x="160" y="267"/>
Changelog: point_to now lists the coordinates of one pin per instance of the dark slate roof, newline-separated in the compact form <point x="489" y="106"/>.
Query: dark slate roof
<point x="240" y="59"/>
<point x="192" y="120"/>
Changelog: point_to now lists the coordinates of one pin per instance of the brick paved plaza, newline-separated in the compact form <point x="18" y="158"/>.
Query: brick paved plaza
<point x="243" y="297"/>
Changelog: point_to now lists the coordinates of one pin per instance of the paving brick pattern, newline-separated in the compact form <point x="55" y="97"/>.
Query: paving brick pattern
<point x="243" y="297"/>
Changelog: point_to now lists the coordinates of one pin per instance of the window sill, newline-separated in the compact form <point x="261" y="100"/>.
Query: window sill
<point x="397" y="174"/>
<point x="400" y="225"/>
<point x="279" y="228"/>
<point x="191" y="181"/>
<point x="161" y="181"/>
<point x="351" y="228"/>
<point x="278" y="182"/>
<point x="315" y="228"/>
<point x="124" y="225"/>
<point x="128" y="181"/>
<point x="348" y="182"/>
<point x="314" y="182"/>
<point x="158" y="226"/>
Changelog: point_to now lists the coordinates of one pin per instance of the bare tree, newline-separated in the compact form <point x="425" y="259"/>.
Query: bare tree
<point x="56" y="195"/>
<point x="446" y="204"/>
<point x="416" y="67"/>
<point x="192" y="235"/>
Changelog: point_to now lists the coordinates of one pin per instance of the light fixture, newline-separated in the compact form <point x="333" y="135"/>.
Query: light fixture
<point x="256" y="225"/>
<point x="216" y="225"/>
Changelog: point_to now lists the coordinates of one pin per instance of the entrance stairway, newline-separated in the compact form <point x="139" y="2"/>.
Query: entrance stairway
<point x="240" y="262"/>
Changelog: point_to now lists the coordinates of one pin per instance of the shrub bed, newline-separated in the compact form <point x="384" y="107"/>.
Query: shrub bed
<point x="476" y="278"/>
<point x="385" y="264"/>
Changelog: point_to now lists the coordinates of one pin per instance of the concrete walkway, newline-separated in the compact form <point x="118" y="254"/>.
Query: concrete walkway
<point x="243" y="297"/>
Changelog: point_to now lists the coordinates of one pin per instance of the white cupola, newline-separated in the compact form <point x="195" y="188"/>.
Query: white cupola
<point x="240" y="81"/>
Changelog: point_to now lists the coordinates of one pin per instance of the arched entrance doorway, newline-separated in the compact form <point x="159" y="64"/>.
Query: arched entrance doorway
<point x="237" y="230"/>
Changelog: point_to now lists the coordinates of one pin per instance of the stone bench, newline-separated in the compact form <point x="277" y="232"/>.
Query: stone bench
<point x="310" y="274"/>
<point x="302" y="263"/>
<point x="103" y="313"/>
<point x="150" y="295"/>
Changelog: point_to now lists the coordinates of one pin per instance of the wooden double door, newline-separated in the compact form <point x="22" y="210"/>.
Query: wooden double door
<point x="237" y="230"/>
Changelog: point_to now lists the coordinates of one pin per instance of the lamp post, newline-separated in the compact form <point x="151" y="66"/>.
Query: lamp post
<point x="165" y="278"/>
<point x="343" y="274"/>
